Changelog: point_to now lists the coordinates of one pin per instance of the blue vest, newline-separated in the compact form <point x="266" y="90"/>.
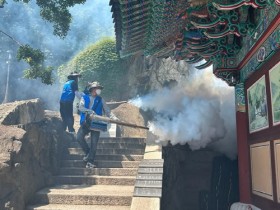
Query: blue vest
<point x="97" y="107"/>
<point x="68" y="94"/>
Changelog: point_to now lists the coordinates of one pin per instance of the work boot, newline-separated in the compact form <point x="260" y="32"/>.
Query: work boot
<point x="90" y="165"/>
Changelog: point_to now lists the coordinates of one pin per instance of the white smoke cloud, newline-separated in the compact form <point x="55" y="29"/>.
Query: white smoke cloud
<point x="199" y="112"/>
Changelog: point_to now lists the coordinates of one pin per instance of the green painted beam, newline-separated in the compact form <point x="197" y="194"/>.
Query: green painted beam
<point x="132" y="45"/>
<point x="129" y="16"/>
<point x="131" y="31"/>
<point x="125" y="8"/>
<point x="135" y="24"/>
<point x="135" y="33"/>
<point x="126" y="44"/>
<point x="136" y="18"/>
<point x="134" y="38"/>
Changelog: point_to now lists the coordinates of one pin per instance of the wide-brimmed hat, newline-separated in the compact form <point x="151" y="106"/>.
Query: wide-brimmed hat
<point x="95" y="84"/>
<point x="73" y="75"/>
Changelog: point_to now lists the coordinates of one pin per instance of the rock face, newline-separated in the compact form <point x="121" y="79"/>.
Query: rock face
<point x="149" y="73"/>
<point x="29" y="155"/>
<point x="21" y="112"/>
<point x="131" y="114"/>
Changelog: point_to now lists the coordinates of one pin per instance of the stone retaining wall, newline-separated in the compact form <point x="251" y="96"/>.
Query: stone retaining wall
<point x="30" y="152"/>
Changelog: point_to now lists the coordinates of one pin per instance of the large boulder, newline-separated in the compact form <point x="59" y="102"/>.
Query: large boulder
<point x="21" y="112"/>
<point x="129" y="113"/>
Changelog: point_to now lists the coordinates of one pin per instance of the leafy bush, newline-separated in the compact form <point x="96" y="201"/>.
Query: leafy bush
<point x="98" y="62"/>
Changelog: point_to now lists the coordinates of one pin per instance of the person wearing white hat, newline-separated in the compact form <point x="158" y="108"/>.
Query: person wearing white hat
<point x="90" y="104"/>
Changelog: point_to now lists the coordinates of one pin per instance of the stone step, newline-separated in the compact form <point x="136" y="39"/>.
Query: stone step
<point x="99" y="171"/>
<point x="101" y="164"/>
<point x="76" y="207"/>
<point x="76" y="151"/>
<point x="107" y="157"/>
<point x="95" y="180"/>
<point x="115" y="145"/>
<point x="121" y="140"/>
<point x="86" y="195"/>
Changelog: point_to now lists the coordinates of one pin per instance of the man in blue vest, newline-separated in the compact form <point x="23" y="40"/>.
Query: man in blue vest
<point x="70" y="90"/>
<point x="92" y="104"/>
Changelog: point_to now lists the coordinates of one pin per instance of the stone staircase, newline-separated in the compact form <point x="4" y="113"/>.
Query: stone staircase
<point x="110" y="186"/>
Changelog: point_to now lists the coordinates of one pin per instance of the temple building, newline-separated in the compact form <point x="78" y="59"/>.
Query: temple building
<point x="241" y="40"/>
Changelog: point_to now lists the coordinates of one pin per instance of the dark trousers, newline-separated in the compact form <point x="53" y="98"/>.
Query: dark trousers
<point x="94" y="137"/>
<point x="66" y="112"/>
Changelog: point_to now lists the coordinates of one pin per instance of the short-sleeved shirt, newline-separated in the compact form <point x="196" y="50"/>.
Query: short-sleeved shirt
<point x="68" y="92"/>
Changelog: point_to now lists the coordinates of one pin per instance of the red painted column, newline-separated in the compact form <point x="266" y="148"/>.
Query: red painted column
<point x="243" y="157"/>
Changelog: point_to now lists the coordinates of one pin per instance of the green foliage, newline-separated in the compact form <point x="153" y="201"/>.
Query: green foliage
<point x="30" y="55"/>
<point x="35" y="58"/>
<point x="99" y="62"/>
<point x="57" y="12"/>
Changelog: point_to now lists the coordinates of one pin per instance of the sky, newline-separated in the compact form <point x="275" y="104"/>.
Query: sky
<point x="91" y="21"/>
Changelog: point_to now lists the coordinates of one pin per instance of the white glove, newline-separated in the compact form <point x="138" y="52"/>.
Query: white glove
<point x="78" y="94"/>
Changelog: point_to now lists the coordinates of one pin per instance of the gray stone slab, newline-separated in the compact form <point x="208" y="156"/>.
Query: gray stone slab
<point x="150" y="170"/>
<point x="148" y="183"/>
<point x="149" y="177"/>
<point x="147" y="192"/>
<point x="151" y="163"/>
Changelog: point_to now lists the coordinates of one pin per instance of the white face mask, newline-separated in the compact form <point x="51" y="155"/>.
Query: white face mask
<point x="98" y="91"/>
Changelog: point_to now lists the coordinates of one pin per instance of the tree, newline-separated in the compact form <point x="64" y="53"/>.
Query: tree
<point x="35" y="58"/>
<point x="56" y="12"/>
<point x="99" y="62"/>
